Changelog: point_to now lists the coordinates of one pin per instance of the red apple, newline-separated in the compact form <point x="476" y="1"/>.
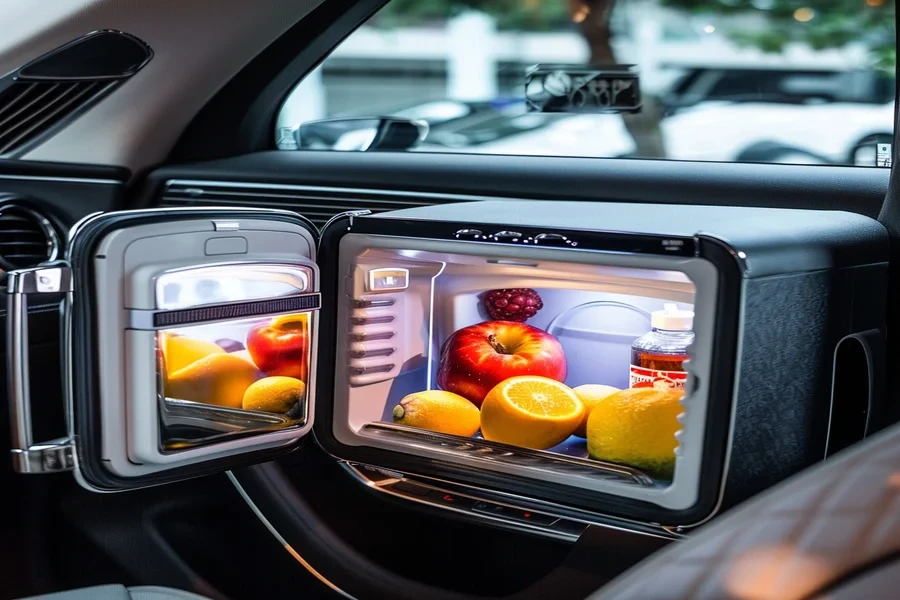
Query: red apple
<point x="475" y="359"/>
<point x="281" y="347"/>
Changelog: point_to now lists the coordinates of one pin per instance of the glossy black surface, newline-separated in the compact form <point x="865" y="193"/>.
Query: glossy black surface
<point x="855" y="189"/>
<point x="99" y="55"/>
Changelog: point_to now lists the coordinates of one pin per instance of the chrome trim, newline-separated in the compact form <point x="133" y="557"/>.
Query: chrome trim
<point x="51" y="457"/>
<point x="500" y="453"/>
<point x="262" y="518"/>
<point x="326" y="189"/>
<point x="63" y="179"/>
<point x="515" y="501"/>
<point x="329" y="222"/>
<point x="28" y="457"/>
<point x="384" y="487"/>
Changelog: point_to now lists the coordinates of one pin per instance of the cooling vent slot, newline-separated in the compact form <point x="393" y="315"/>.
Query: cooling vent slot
<point x="318" y="204"/>
<point x="29" y="109"/>
<point x="26" y="238"/>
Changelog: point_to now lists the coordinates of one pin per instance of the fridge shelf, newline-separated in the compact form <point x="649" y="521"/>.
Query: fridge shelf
<point x="206" y="419"/>
<point x="501" y="453"/>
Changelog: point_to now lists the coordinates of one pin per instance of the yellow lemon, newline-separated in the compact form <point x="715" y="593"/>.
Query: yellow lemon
<point x="274" y="394"/>
<point x="590" y="394"/>
<point x="531" y="412"/>
<point x="180" y="351"/>
<point x="637" y="427"/>
<point x="219" y="379"/>
<point x="440" y="411"/>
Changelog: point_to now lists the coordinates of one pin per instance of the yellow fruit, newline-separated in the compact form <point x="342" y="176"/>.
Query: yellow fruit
<point x="590" y="394"/>
<point x="274" y="394"/>
<point x="219" y="379"/>
<point x="245" y="355"/>
<point x="440" y="411"/>
<point x="180" y="351"/>
<point x="637" y="427"/>
<point x="531" y="412"/>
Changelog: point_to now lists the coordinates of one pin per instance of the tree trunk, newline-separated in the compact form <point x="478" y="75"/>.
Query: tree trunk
<point x="593" y="18"/>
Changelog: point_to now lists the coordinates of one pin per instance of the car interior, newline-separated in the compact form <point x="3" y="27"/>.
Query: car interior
<point x="266" y="336"/>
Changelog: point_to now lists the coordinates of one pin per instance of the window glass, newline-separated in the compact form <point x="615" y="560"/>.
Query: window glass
<point x="796" y="81"/>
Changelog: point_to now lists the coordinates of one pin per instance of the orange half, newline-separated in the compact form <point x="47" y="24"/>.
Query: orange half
<point x="541" y="397"/>
<point x="531" y="412"/>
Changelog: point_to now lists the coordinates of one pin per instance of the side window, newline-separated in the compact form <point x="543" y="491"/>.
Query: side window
<point x="735" y="80"/>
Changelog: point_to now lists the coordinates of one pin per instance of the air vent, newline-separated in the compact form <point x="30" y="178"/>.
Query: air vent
<point x="30" y="109"/>
<point x="26" y="238"/>
<point x="46" y="94"/>
<point x="319" y="204"/>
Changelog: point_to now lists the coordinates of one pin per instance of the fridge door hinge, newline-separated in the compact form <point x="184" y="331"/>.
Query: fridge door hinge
<point x="49" y="457"/>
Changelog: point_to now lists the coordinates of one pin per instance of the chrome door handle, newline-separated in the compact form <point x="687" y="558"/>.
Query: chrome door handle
<point x="27" y="456"/>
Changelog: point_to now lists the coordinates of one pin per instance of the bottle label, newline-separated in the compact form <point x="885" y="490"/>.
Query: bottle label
<point x="650" y="378"/>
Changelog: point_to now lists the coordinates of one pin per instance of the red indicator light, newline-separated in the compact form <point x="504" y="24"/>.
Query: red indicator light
<point x="526" y="515"/>
<point x="448" y="498"/>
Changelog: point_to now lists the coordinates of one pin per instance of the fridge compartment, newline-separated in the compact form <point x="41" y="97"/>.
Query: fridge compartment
<point x="232" y="377"/>
<point x="448" y="355"/>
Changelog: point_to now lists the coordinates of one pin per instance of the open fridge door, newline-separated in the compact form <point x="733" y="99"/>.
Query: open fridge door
<point x="189" y="341"/>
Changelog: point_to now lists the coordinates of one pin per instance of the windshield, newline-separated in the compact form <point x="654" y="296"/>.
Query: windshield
<point x="793" y="81"/>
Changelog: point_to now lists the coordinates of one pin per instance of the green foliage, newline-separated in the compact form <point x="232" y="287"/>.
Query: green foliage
<point x="523" y="15"/>
<point x="822" y="24"/>
<point x="833" y="23"/>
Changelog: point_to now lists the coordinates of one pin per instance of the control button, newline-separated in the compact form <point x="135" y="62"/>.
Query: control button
<point x="469" y="233"/>
<point x="410" y="489"/>
<point x="530" y="517"/>
<point x="507" y="236"/>
<point x="514" y="514"/>
<point x="451" y="500"/>
<point x="551" y="238"/>
<point x="485" y="507"/>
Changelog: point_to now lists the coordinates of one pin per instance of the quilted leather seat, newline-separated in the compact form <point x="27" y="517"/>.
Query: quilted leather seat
<point x="832" y="532"/>
<point x="120" y="592"/>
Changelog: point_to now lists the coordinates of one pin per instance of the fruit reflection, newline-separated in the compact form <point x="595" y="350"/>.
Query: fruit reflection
<point x="180" y="351"/>
<point x="219" y="379"/>
<point x="280" y="347"/>
<point x="263" y="371"/>
<point x="273" y="394"/>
